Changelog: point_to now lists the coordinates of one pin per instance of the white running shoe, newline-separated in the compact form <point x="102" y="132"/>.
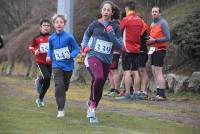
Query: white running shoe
<point x="94" y="120"/>
<point x="40" y="103"/>
<point x="61" y="114"/>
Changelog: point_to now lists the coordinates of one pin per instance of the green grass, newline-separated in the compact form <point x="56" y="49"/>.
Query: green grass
<point x="19" y="114"/>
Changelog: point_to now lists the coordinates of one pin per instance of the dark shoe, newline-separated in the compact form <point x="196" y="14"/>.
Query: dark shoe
<point x="158" y="98"/>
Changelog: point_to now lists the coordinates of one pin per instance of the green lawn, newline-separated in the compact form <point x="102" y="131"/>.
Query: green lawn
<point x="19" y="115"/>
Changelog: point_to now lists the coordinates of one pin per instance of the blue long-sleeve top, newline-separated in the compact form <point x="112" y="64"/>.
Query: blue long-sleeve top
<point x="102" y="42"/>
<point x="59" y="45"/>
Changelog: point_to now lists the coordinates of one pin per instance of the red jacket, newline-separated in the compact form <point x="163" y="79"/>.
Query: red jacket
<point x="40" y="42"/>
<point x="132" y="28"/>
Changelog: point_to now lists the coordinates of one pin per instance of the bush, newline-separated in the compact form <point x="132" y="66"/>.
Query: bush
<point x="187" y="36"/>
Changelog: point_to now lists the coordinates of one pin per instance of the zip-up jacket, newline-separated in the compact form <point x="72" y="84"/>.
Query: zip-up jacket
<point x="59" y="45"/>
<point x="132" y="28"/>
<point x="102" y="42"/>
<point x="160" y="32"/>
<point x="40" y="42"/>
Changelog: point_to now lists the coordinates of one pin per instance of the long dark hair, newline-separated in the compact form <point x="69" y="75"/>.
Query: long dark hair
<point x="115" y="9"/>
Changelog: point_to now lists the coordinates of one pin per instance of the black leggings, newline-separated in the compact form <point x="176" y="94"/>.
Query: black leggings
<point x="62" y="81"/>
<point x="44" y="78"/>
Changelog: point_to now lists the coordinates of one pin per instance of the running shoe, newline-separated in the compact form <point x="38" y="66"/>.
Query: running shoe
<point x="61" y="114"/>
<point x="126" y="96"/>
<point x="94" y="120"/>
<point x="40" y="103"/>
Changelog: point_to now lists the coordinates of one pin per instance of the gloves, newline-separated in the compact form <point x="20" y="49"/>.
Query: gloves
<point x="86" y="49"/>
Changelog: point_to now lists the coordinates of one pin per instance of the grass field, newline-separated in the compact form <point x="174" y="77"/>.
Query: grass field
<point x="19" y="114"/>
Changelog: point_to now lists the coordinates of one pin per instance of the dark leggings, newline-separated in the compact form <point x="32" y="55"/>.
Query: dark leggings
<point x="62" y="81"/>
<point x="44" y="78"/>
<point x="99" y="72"/>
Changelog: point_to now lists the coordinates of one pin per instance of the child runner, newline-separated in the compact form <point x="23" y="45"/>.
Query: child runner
<point x="39" y="47"/>
<point x="106" y="34"/>
<point x="62" y="51"/>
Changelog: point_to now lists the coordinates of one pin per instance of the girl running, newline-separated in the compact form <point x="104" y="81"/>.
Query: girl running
<point x="105" y="34"/>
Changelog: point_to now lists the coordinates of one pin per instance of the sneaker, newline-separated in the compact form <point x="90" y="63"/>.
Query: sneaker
<point x="113" y="94"/>
<point x="158" y="98"/>
<point x="94" y="120"/>
<point x="91" y="109"/>
<point x="40" y="103"/>
<point x="61" y="114"/>
<point x="122" y="93"/>
<point x="143" y="96"/>
<point x="126" y="96"/>
<point x="38" y="86"/>
<point x="107" y="93"/>
<point x="135" y="96"/>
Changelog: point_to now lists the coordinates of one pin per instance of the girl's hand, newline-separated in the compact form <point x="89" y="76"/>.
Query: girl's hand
<point x="86" y="49"/>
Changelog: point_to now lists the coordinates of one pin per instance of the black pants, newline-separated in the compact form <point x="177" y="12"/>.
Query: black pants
<point x="44" y="78"/>
<point x="62" y="81"/>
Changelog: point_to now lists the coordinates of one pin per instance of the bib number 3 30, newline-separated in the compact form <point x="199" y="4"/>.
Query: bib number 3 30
<point x="103" y="47"/>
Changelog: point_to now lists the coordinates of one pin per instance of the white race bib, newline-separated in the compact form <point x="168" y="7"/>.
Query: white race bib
<point x="44" y="47"/>
<point x="152" y="50"/>
<point x="61" y="53"/>
<point x="103" y="47"/>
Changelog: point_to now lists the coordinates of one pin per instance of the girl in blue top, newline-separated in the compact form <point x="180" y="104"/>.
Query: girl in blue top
<point x="105" y="35"/>
<point x="62" y="51"/>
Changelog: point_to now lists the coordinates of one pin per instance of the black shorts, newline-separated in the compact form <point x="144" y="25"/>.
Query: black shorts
<point x="142" y="60"/>
<point x="129" y="61"/>
<point x="157" y="58"/>
<point x="115" y="61"/>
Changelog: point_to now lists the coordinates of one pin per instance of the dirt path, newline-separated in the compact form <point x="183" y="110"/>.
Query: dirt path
<point x="181" y="105"/>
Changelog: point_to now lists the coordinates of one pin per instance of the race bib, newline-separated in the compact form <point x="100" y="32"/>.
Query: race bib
<point x="61" y="53"/>
<point x="152" y="50"/>
<point x="103" y="47"/>
<point x="44" y="47"/>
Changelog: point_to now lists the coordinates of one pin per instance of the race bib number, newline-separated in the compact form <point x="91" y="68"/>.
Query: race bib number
<point x="61" y="53"/>
<point x="103" y="47"/>
<point x="44" y="47"/>
<point x="152" y="50"/>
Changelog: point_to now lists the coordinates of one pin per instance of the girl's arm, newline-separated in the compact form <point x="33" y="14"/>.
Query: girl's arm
<point x="88" y="33"/>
